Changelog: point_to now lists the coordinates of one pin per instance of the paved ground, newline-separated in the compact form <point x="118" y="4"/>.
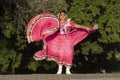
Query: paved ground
<point x="61" y="77"/>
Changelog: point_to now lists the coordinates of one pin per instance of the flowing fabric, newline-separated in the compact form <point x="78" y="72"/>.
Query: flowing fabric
<point x="39" y="24"/>
<point x="59" y="46"/>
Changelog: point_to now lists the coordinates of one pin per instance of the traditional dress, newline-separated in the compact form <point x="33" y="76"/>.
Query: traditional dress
<point x="59" y="46"/>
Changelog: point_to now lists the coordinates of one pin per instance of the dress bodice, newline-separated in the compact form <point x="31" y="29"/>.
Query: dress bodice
<point x="66" y="26"/>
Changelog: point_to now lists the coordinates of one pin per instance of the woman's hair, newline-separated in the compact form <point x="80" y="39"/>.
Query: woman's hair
<point x="63" y="12"/>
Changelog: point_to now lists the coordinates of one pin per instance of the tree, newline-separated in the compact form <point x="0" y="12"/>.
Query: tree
<point x="98" y="51"/>
<point x="10" y="56"/>
<point x="16" y="53"/>
<point x="104" y="42"/>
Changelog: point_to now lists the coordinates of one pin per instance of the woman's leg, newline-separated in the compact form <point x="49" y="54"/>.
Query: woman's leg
<point x="59" y="69"/>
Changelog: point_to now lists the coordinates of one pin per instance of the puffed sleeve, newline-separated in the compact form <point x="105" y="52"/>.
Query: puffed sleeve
<point x="72" y="23"/>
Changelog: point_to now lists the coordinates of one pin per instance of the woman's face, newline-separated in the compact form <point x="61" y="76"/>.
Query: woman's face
<point x="63" y="16"/>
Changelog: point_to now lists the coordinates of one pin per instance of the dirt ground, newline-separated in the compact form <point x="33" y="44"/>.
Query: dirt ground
<point x="61" y="77"/>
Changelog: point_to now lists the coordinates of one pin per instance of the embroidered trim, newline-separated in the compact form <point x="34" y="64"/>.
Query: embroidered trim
<point x="50" y="58"/>
<point x="39" y="58"/>
<point x="35" y="22"/>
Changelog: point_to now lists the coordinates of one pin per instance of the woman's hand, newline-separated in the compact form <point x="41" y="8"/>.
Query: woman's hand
<point x="95" y="26"/>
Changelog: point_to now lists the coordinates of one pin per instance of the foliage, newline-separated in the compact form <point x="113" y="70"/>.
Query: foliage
<point x="106" y="40"/>
<point x="98" y="51"/>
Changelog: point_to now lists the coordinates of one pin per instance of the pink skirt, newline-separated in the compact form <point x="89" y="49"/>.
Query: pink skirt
<point x="60" y="47"/>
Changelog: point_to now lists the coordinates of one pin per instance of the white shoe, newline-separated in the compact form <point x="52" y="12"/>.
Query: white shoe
<point x="59" y="69"/>
<point x="59" y="72"/>
<point x="68" y="71"/>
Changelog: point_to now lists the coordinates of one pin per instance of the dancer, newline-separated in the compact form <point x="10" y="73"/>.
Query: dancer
<point x="61" y="47"/>
<point x="59" y="42"/>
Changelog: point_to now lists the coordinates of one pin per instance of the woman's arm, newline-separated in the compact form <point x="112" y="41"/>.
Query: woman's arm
<point x="95" y="26"/>
<point x="80" y="26"/>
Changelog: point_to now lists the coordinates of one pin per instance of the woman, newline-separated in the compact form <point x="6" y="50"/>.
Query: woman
<point x="60" y="45"/>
